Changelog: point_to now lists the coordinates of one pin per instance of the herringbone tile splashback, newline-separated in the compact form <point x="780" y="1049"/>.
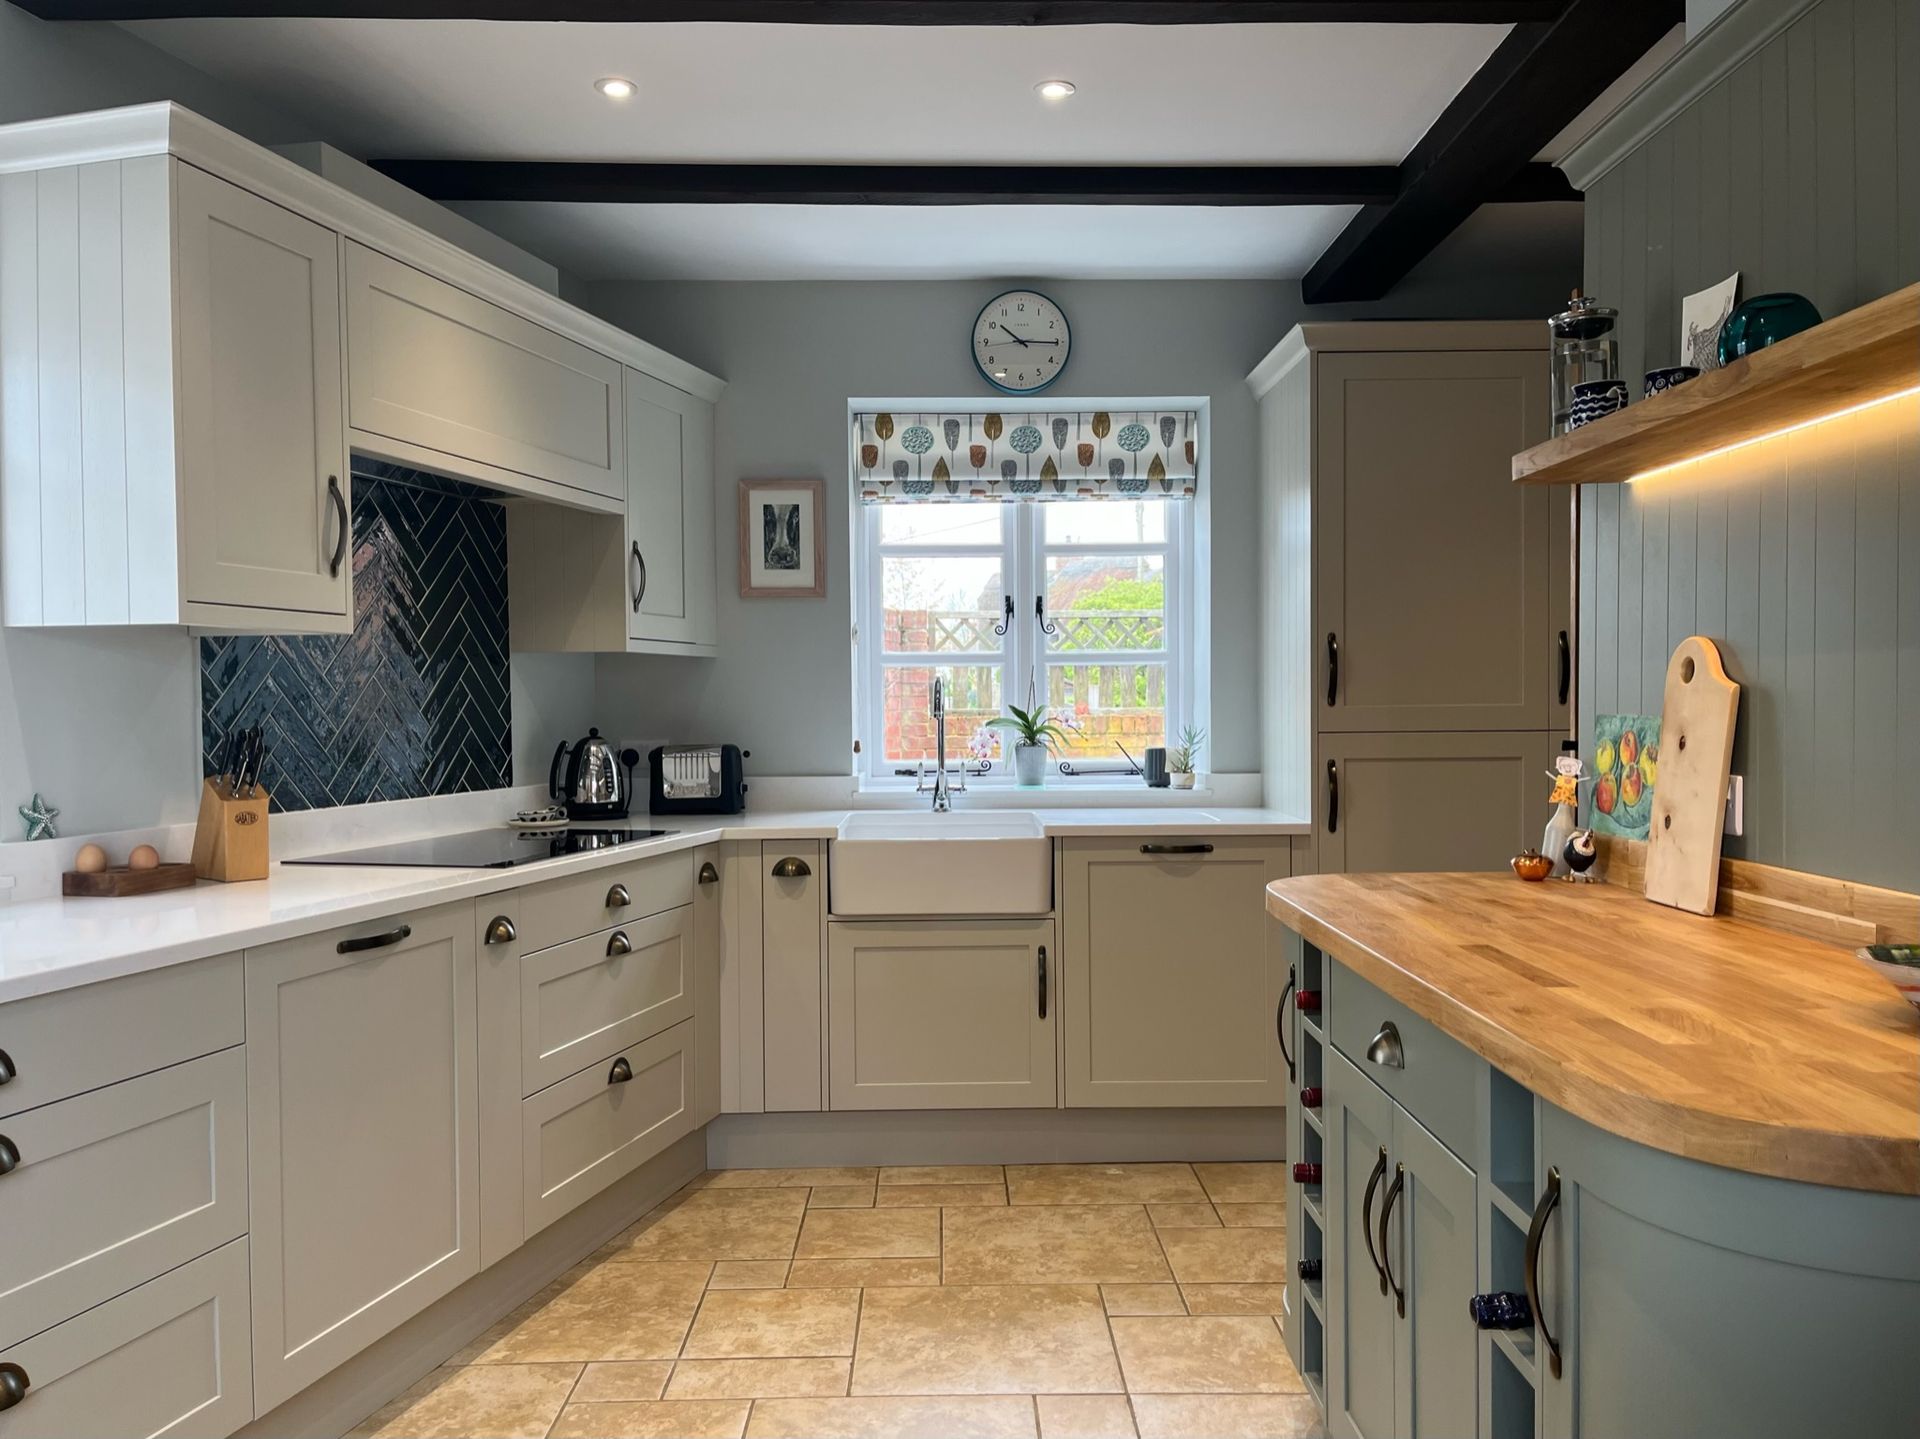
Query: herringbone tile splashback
<point x="416" y="700"/>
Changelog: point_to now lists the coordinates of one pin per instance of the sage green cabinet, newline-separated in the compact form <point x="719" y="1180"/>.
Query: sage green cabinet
<point x="1360" y="1318"/>
<point x="362" y="1128"/>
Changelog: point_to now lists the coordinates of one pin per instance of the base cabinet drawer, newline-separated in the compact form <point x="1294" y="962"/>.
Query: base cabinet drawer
<point x="583" y="1000"/>
<point x="170" y="1357"/>
<point x="585" y="1132"/>
<point x="1430" y="1074"/>
<point x="563" y="909"/>
<point x="116" y="1186"/>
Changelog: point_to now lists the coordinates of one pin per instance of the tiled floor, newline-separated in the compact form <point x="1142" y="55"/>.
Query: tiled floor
<point x="1030" y="1302"/>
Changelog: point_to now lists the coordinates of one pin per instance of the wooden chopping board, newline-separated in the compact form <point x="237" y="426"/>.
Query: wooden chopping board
<point x="1690" y="790"/>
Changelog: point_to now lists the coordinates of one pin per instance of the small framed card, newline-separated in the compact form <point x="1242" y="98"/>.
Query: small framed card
<point x="783" y="546"/>
<point x="1701" y="315"/>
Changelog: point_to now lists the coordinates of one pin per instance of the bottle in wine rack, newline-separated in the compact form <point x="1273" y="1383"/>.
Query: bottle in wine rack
<point x="1305" y="1173"/>
<point x="1310" y="1097"/>
<point x="1308" y="1001"/>
<point x="1309" y="1270"/>
<point x="1503" y="1310"/>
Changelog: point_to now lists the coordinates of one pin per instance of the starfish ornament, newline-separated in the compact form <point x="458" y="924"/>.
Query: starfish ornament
<point x="38" y="818"/>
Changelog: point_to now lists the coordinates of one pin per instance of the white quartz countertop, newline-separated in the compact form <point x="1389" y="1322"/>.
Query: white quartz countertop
<point x="53" y="944"/>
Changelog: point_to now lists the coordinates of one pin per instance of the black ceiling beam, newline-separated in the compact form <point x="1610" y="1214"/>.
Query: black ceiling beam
<point x="832" y="12"/>
<point x="1535" y="83"/>
<point x="618" y="183"/>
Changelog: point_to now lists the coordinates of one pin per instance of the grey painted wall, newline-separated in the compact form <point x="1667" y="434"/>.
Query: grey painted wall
<point x="106" y="722"/>
<point x="792" y="354"/>
<point x="1800" y="169"/>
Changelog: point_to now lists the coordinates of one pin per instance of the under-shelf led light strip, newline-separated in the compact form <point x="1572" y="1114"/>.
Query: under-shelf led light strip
<point x="1775" y="434"/>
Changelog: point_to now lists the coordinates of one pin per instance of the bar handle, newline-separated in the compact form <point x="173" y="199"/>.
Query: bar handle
<point x="346" y="527"/>
<point x="1366" y="1215"/>
<point x="1386" y="1256"/>
<point x="1176" y="849"/>
<point x="1280" y="1024"/>
<point x="374" y="941"/>
<point x="1333" y="668"/>
<point x="1549" y="1201"/>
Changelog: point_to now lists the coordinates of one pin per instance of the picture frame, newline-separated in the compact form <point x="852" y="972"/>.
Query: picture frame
<point x="783" y="543"/>
<point x="1701" y="315"/>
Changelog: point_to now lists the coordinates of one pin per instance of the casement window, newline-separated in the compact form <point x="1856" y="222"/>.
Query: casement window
<point x="1023" y="557"/>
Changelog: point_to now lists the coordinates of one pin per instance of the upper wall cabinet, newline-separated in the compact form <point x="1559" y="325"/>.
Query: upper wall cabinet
<point x="438" y="376"/>
<point x="175" y="447"/>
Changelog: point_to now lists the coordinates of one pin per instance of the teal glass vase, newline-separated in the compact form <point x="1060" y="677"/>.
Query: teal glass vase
<point x="1765" y="320"/>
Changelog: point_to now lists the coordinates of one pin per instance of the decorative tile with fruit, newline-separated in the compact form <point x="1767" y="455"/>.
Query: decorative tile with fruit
<point x="1626" y="758"/>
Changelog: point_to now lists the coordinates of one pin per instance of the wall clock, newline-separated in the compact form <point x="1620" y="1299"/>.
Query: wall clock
<point x="1021" y="341"/>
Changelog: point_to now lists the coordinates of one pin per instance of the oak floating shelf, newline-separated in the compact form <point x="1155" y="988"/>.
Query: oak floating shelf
<point x="1853" y="359"/>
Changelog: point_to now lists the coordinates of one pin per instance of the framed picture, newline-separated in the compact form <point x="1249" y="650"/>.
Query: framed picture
<point x="783" y="548"/>
<point x="1701" y="315"/>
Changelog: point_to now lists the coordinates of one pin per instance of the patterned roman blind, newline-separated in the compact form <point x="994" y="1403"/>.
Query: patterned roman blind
<point x="934" y="457"/>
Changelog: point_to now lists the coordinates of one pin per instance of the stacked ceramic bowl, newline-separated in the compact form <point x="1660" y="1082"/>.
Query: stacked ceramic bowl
<point x="1594" y="399"/>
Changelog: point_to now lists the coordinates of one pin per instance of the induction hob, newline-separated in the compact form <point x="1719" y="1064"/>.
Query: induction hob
<point x="487" y="848"/>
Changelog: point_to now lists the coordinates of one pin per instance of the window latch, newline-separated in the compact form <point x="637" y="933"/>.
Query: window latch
<point x="1007" y="603"/>
<point x="1047" y="626"/>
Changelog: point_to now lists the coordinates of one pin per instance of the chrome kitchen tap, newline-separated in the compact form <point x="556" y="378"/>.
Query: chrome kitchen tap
<point x="942" y="797"/>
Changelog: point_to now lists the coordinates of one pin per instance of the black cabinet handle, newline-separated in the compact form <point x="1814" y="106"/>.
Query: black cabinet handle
<point x="621" y="1071"/>
<point x="640" y="587"/>
<point x="1386" y="1256"/>
<point x="7" y="1071"/>
<point x="1280" y="1023"/>
<point x="1549" y="1201"/>
<point x="1043" y="981"/>
<point x="346" y="527"/>
<point x="373" y="941"/>
<point x="619" y="943"/>
<point x="1566" y="667"/>
<point x="1366" y="1215"/>
<point x="1333" y="796"/>
<point x="1333" y="667"/>
<point x="9" y="1155"/>
<point x="14" y="1385"/>
<point x="618" y="898"/>
<point x="500" y="930"/>
<point x="708" y="874"/>
<point x="1176" y="849"/>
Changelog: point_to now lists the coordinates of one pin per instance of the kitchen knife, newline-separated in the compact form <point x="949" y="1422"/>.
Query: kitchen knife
<point x="256" y="753"/>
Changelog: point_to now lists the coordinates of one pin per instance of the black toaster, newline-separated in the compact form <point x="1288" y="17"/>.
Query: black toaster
<point x="697" y="779"/>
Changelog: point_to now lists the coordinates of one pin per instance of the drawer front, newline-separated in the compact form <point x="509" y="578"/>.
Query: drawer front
<point x="1435" y="1081"/>
<point x="587" y="999"/>
<point x="167" y="1358"/>
<point x="118" y="1185"/>
<point x="564" y="909"/>
<point x="78" y="1039"/>
<point x="581" y="1134"/>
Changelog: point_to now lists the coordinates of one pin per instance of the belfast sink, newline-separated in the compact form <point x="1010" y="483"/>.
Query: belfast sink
<point x="904" y="865"/>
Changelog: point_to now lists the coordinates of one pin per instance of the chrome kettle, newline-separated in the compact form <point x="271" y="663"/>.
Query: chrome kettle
<point x="599" y="782"/>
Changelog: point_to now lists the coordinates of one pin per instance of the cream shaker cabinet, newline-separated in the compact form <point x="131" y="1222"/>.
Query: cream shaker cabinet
<point x="1172" y="976"/>
<point x="175" y="447"/>
<point x="363" y="1120"/>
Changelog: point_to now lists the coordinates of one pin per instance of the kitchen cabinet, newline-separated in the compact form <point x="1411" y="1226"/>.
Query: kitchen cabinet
<point x="1360" y="1317"/>
<point x="175" y="446"/>
<point x="582" y="1000"/>
<point x="942" y="1014"/>
<point x="362" y="1125"/>
<point x="708" y="949"/>
<point x="1171" y="975"/>
<point x="1449" y="801"/>
<point x="441" y="377"/>
<point x="793" y="887"/>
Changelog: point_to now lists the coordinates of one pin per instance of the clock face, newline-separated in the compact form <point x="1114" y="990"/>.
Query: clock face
<point x="1021" y="341"/>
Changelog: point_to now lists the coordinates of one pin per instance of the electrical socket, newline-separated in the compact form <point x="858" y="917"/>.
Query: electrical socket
<point x="1736" y="820"/>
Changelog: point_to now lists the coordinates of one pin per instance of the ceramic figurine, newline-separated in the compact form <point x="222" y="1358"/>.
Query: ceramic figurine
<point x="1567" y="778"/>
<point x="1580" y="855"/>
<point x="38" y="817"/>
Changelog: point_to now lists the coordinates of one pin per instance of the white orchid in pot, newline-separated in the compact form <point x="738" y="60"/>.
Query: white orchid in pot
<point x="1184" y="759"/>
<point x="1034" y="734"/>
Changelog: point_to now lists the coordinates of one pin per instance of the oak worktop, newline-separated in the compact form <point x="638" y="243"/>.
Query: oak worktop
<point x="1714" y="1039"/>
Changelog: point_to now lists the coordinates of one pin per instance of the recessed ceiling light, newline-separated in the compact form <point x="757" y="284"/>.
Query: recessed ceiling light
<point x="1054" y="89"/>
<point x="615" y="87"/>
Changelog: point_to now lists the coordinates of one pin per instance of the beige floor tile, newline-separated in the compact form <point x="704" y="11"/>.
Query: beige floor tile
<point x="985" y="1339"/>
<point x="1244" y="1183"/>
<point x="1205" y="1356"/>
<point x="1052" y="1244"/>
<point x="670" y="1419"/>
<point x="1103" y="1184"/>
<point x="1245" y="1416"/>
<point x="862" y="1273"/>
<point x="1133" y="1299"/>
<point x="775" y="1324"/>
<point x="943" y="1174"/>
<point x="988" y="1417"/>
<point x="1227" y="1256"/>
<point x="841" y="1196"/>
<point x="612" y="1311"/>
<point x="1253" y="1216"/>
<point x="792" y="1178"/>
<point x="870" y="1234"/>
<point x="1084" y="1416"/>
<point x="717" y="1224"/>
<point x="748" y="1274"/>
<point x="1232" y="1298"/>
<point x="935" y="1196"/>
<point x="506" y="1323"/>
<point x="620" y="1381"/>
<point x="758" y="1378"/>
<point x="1183" y="1216"/>
<point x="503" y="1401"/>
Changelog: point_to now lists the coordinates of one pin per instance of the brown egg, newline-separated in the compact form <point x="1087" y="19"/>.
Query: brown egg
<point x="144" y="856"/>
<point x="91" y="859"/>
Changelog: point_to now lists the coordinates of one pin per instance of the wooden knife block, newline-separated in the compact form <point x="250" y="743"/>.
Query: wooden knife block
<point x="230" y="839"/>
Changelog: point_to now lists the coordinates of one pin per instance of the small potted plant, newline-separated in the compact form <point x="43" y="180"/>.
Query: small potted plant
<point x="1034" y="734"/>
<point x="1185" y="755"/>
